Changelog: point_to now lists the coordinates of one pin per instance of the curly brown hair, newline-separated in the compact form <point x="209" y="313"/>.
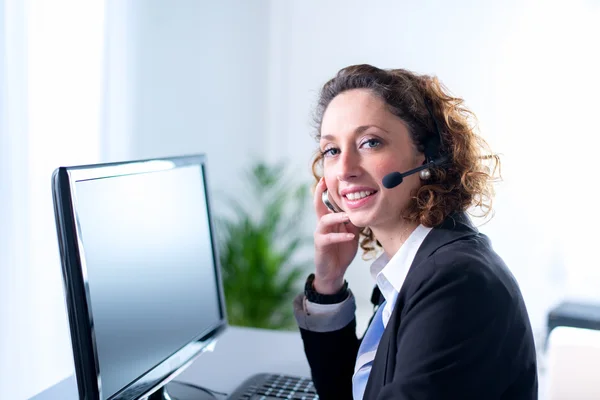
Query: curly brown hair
<point x="465" y="181"/>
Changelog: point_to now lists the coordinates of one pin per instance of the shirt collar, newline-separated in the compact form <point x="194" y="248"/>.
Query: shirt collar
<point x="389" y="274"/>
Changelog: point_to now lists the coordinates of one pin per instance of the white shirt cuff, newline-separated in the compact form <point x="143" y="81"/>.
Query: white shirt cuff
<point x="316" y="308"/>
<point x="324" y="317"/>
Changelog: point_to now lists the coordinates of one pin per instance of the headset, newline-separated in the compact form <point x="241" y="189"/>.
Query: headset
<point x="434" y="156"/>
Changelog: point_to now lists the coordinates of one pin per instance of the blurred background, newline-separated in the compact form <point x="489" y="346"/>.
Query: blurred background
<point x="109" y="80"/>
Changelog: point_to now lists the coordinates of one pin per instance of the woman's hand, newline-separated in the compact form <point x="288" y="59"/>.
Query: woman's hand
<point x="336" y="243"/>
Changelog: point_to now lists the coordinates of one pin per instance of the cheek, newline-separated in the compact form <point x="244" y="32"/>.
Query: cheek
<point x="385" y="166"/>
<point x="401" y="194"/>
<point x="390" y="163"/>
<point x="330" y="182"/>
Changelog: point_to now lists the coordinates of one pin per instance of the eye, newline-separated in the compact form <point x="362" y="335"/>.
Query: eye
<point x="371" y="143"/>
<point x="330" y="152"/>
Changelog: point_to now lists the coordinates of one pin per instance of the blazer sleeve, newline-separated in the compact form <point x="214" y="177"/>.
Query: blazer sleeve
<point x="331" y="345"/>
<point x="456" y="339"/>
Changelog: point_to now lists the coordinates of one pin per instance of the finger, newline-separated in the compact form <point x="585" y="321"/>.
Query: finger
<point x="331" y="219"/>
<point x="320" y="208"/>
<point x="349" y="227"/>
<point x="332" y="238"/>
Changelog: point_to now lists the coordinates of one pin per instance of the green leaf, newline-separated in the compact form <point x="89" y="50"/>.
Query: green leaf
<point x="257" y="244"/>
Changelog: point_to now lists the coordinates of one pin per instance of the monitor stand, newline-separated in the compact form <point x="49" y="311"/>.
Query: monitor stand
<point x="177" y="391"/>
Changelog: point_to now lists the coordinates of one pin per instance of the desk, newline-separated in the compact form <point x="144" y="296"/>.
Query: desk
<point x="239" y="353"/>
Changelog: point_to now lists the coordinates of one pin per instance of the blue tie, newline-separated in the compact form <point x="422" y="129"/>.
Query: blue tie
<point x="366" y="354"/>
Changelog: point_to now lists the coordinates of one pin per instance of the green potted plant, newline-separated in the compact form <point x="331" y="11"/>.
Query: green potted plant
<point x="258" y="244"/>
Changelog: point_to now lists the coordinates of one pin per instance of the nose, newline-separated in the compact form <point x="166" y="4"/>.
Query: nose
<point x="348" y="166"/>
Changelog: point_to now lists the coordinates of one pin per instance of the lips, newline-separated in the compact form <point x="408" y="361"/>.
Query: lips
<point x="357" y="197"/>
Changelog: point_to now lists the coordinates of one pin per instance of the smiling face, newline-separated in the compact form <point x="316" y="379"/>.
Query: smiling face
<point x="362" y="141"/>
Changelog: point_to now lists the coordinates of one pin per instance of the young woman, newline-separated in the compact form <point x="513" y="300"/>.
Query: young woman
<point x="451" y="321"/>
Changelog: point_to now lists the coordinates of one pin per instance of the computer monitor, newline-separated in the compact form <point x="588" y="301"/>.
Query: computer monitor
<point x="141" y="272"/>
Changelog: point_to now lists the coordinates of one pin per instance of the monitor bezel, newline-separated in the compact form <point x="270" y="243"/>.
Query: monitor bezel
<point x="79" y="307"/>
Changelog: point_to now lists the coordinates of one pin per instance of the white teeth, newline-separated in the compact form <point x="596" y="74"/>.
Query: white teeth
<point x="358" y="195"/>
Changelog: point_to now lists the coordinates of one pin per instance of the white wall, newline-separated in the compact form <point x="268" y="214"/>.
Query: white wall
<point x="14" y="199"/>
<point x="200" y="84"/>
<point x="525" y="67"/>
<point x="51" y="114"/>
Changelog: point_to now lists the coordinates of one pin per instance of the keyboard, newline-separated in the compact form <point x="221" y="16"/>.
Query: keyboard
<point x="275" y="387"/>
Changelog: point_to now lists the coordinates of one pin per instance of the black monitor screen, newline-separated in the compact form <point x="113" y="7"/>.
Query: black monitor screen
<point x="150" y="270"/>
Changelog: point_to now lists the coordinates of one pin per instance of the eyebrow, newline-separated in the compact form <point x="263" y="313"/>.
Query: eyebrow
<point x="357" y="131"/>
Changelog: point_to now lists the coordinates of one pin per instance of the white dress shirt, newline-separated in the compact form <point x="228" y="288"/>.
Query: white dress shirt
<point x="389" y="274"/>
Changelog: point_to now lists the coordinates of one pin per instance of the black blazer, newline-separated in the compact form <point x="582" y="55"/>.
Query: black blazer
<point x="459" y="330"/>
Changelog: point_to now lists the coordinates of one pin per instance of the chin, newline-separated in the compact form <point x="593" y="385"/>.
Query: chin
<point x="360" y="221"/>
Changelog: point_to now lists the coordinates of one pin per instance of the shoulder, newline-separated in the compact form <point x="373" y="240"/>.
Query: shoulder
<point x="458" y="261"/>
<point x="465" y="268"/>
<point x="473" y="257"/>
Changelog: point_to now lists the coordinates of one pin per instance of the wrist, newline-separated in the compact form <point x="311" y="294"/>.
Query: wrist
<point x="315" y="296"/>
<point x="329" y="286"/>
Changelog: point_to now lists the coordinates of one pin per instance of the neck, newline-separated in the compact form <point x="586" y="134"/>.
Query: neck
<point x="393" y="238"/>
